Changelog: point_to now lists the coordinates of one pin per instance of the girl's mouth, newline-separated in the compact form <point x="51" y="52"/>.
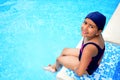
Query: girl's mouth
<point x="84" y="32"/>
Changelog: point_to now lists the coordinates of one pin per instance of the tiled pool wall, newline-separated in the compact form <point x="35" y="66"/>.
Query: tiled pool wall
<point x="109" y="68"/>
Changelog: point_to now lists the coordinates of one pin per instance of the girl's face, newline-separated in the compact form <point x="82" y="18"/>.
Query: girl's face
<point x="89" y="29"/>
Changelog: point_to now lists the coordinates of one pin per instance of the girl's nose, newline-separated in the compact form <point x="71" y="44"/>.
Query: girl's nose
<point x="85" y="27"/>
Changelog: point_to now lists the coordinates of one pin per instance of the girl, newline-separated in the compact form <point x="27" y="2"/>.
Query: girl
<point x="86" y="59"/>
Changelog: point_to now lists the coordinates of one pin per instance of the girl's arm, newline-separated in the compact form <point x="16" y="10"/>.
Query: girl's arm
<point x="89" y="51"/>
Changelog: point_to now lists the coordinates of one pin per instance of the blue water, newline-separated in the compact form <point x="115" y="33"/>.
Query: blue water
<point x="33" y="33"/>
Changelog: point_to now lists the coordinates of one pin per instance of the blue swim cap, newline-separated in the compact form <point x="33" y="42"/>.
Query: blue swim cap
<point x="98" y="18"/>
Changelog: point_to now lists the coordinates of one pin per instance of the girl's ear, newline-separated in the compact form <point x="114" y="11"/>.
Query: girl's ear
<point x="99" y="32"/>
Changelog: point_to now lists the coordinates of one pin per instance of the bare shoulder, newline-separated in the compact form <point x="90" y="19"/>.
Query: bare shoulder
<point x="99" y="41"/>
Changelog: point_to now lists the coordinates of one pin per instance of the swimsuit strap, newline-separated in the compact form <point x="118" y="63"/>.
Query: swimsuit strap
<point x="100" y="50"/>
<point x="93" y="44"/>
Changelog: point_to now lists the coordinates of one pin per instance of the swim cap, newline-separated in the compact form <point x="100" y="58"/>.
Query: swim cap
<point x="98" y="18"/>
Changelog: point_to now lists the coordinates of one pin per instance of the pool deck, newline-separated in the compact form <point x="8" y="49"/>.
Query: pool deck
<point x="110" y="34"/>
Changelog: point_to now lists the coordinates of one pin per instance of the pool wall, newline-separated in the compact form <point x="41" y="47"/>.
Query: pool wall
<point x="111" y="32"/>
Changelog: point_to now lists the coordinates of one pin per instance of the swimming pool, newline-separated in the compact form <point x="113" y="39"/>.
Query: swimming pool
<point x="33" y="33"/>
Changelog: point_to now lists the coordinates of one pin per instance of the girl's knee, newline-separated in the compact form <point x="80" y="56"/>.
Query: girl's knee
<point x="64" y="51"/>
<point x="58" y="59"/>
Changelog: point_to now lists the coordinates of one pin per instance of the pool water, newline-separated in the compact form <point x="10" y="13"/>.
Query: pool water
<point x="33" y="33"/>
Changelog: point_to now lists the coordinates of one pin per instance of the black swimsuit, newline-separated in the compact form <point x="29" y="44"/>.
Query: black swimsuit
<point x="94" y="62"/>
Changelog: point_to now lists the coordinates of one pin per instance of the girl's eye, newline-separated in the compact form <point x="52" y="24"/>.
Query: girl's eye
<point x="91" y="26"/>
<point x="85" y="22"/>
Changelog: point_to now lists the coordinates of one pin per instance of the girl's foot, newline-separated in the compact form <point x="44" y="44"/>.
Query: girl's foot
<point x="50" y="68"/>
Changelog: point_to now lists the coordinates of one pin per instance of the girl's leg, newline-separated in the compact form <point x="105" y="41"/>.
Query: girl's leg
<point x="70" y="62"/>
<point x="70" y="52"/>
<point x="68" y="58"/>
